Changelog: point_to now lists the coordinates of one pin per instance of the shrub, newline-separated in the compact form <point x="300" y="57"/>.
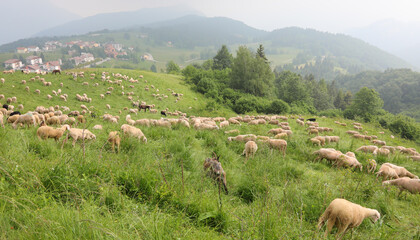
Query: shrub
<point x="278" y="106"/>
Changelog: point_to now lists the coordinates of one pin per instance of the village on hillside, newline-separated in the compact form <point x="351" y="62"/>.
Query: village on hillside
<point x="77" y="53"/>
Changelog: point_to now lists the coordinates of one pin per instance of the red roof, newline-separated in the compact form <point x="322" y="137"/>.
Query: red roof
<point x="32" y="57"/>
<point x="12" y="61"/>
<point x="21" y="48"/>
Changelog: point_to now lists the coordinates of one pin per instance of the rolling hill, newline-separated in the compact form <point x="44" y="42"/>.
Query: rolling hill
<point x="158" y="189"/>
<point x="119" y="20"/>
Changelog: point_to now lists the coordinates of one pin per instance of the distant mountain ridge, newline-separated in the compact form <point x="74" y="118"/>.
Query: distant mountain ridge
<point x="197" y="31"/>
<point x="24" y="18"/>
<point x="118" y="20"/>
<point x="399" y="38"/>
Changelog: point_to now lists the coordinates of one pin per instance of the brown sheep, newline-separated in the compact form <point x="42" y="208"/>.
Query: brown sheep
<point x="45" y="132"/>
<point x="345" y="215"/>
<point x="114" y="138"/>
<point x="279" y="144"/>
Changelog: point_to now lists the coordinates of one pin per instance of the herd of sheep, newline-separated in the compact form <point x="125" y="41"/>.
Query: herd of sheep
<point x="58" y="121"/>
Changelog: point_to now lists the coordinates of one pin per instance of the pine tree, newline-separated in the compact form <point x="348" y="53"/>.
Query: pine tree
<point x="261" y="54"/>
<point x="223" y="59"/>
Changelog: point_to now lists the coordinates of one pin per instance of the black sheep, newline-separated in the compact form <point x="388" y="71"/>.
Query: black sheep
<point x="6" y="106"/>
<point x="163" y="113"/>
<point x="311" y="119"/>
<point x="15" y="113"/>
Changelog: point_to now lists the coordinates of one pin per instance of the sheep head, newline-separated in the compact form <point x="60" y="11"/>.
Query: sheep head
<point x="375" y="215"/>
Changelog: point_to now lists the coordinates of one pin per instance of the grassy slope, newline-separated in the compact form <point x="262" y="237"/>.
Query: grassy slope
<point x="50" y="193"/>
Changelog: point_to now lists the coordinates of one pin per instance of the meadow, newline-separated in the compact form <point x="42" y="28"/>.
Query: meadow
<point x="159" y="190"/>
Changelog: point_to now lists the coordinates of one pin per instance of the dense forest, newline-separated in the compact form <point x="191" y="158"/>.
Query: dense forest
<point x="399" y="88"/>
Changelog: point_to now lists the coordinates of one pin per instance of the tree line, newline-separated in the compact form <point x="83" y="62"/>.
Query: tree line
<point x="246" y="83"/>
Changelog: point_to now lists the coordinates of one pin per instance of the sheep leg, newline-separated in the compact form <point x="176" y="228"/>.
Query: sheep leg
<point x="330" y="225"/>
<point x="342" y="232"/>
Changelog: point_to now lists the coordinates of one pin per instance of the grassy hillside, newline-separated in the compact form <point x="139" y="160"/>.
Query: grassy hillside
<point x="158" y="190"/>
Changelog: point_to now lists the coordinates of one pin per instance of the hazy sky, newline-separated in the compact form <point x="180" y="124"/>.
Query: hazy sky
<point x="326" y="15"/>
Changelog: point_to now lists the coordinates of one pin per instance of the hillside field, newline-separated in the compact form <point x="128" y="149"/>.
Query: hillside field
<point x="159" y="190"/>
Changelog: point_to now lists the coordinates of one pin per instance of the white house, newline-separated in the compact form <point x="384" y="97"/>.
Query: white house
<point x="33" y="49"/>
<point x="13" y="64"/>
<point x="32" y="60"/>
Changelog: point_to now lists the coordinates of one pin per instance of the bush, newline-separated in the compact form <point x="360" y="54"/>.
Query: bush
<point x="349" y="114"/>
<point x="245" y="104"/>
<point x="278" y="106"/>
<point x="406" y="128"/>
<point x="331" y="113"/>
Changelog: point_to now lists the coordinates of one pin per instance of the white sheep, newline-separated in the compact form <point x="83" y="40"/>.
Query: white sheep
<point x="77" y="133"/>
<point x="97" y="127"/>
<point x="405" y="183"/>
<point x="345" y="215"/>
<point x="133" y="132"/>
<point x="251" y="148"/>
<point x="386" y="172"/>
<point x="401" y="171"/>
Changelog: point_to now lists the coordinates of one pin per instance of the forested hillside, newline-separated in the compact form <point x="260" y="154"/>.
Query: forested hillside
<point x="399" y="88"/>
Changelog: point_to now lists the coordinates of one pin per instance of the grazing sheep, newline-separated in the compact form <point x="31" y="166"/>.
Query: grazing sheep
<point x="243" y="138"/>
<point x="315" y="141"/>
<point x="232" y="131"/>
<point x="250" y="149"/>
<point x="405" y="183"/>
<point x="77" y="133"/>
<point x="1" y="119"/>
<point x="114" y="138"/>
<point x="279" y="144"/>
<point x="313" y="131"/>
<point x="133" y="132"/>
<point x="97" y="127"/>
<point x="383" y="151"/>
<point x="349" y="160"/>
<point x="214" y="169"/>
<point x="224" y="124"/>
<point x="379" y="142"/>
<point x="27" y="119"/>
<point x="386" y="172"/>
<point x="401" y="171"/>
<point x="275" y="131"/>
<point x="205" y="126"/>
<point x="345" y="215"/>
<point x="371" y="165"/>
<point x="329" y="154"/>
<point x="45" y="132"/>
<point x="368" y="149"/>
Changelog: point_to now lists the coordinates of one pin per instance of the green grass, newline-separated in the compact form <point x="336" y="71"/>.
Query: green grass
<point x="51" y="193"/>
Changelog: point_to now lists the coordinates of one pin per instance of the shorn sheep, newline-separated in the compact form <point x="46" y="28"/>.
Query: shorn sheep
<point x="345" y="215"/>
<point x="405" y="183"/>
<point x="250" y="149"/>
